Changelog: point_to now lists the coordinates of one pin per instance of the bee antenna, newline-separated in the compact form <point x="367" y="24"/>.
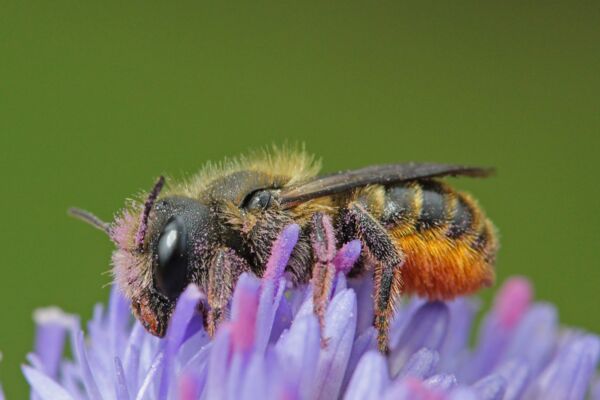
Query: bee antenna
<point x="90" y="219"/>
<point x="141" y="233"/>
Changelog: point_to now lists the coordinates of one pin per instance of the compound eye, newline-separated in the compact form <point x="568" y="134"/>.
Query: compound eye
<point x="259" y="200"/>
<point x="170" y="274"/>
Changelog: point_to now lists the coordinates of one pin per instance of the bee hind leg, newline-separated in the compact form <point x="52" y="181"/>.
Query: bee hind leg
<point x="387" y="260"/>
<point x="324" y="248"/>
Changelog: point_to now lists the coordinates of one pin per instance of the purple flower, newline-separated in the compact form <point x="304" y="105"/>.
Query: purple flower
<point x="273" y="347"/>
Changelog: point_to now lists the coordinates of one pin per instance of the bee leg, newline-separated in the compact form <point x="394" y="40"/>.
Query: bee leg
<point x="387" y="260"/>
<point x="324" y="247"/>
<point x="225" y="268"/>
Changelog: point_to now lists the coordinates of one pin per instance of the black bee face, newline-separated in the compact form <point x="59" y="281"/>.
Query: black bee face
<point x="180" y="235"/>
<point x="172" y="257"/>
<point x="184" y="231"/>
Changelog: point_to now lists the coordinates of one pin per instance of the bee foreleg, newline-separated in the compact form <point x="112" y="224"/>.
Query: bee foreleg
<point x="225" y="268"/>
<point x="324" y="247"/>
<point x="387" y="260"/>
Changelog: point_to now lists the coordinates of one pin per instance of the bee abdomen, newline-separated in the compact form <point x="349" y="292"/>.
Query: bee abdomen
<point x="462" y="219"/>
<point x="434" y="212"/>
<point x="448" y="244"/>
<point x="424" y="206"/>
<point x="401" y="205"/>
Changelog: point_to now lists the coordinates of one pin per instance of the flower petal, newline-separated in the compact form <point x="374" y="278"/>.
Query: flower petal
<point x="595" y="392"/>
<point x="516" y="374"/>
<point x="370" y="379"/>
<point x="412" y="389"/>
<point x="218" y="365"/>
<point x="511" y="304"/>
<point x="119" y="316"/>
<point x="427" y="328"/>
<point x="131" y="360"/>
<point x="455" y="346"/>
<point x="364" y="342"/>
<point x="339" y="284"/>
<point x="534" y="339"/>
<point x="151" y="375"/>
<point x="270" y="298"/>
<point x="52" y="327"/>
<point x="237" y="371"/>
<point x="364" y="299"/>
<point x="190" y="384"/>
<point x="282" y="320"/>
<point x="421" y="365"/>
<point x="120" y="382"/>
<point x="86" y="371"/>
<point x="71" y="380"/>
<point x="244" y="309"/>
<point x="492" y="387"/>
<point x="403" y="317"/>
<point x="299" y="350"/>
<point x="340" y="326"/>
<point x="346" y="257"/>
<point x="513" y="301"/>
<point x="442" y="382"/>
<point x="569" y="374"/>
<point x="255" y="383"/>
<point x="44" y="386"/>
<point x="184" y="311"/>
<point x="280" y="252"/>
<point x="463" y="393"/>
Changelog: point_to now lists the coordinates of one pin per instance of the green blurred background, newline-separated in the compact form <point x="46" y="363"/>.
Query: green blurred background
<point x="98" y="98"/>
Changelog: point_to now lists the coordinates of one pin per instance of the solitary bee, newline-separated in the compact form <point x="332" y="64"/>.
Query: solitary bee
<point x="418" y="235"/>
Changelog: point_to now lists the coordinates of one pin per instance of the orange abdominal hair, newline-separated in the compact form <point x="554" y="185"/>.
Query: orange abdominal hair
<point x="440" y="269"/>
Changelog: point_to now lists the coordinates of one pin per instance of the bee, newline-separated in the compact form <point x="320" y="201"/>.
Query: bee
<point x="417" y="234"/>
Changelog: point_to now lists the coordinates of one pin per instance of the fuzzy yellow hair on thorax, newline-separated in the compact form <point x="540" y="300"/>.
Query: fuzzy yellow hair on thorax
<point x="291" y="163"/>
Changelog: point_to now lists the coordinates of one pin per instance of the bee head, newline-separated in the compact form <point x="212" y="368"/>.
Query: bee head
<point x="159" y="252"/>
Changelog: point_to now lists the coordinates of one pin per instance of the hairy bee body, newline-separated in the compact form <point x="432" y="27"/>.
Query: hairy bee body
<point x="417" y="234"/>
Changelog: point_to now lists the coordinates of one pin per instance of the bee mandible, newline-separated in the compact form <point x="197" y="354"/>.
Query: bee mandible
<point x="418" y="235"/>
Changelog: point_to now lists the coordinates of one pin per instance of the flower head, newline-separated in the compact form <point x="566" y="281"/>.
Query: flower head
<point x="272" y="347"/>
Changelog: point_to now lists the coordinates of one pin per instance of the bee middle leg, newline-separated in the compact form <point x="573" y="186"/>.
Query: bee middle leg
<point x="225" y="269"/>
<point x="387" y="260"/>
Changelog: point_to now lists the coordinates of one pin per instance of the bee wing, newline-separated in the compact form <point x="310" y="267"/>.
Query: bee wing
<point x="376" y="174"/>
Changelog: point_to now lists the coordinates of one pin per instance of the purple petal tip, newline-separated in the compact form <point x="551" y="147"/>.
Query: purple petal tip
<point x="513" y="301"/>
<point x="346" y="257"/>
<point x="281" y="251"/>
